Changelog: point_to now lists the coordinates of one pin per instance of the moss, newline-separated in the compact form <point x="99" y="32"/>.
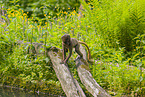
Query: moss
<point x="50" y="87"/>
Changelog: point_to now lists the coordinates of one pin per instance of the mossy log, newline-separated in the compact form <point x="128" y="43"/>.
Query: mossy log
<point x="70" y="85"/>
<point x="86" y="77"/>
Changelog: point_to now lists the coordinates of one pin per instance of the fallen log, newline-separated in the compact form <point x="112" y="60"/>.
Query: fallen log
<point x="70" y="85"/>
<point x="86" y="78"/>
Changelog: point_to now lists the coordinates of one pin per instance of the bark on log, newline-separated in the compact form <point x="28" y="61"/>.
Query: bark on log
<point x="69" y="84"/>
<point x="86" y="78"/>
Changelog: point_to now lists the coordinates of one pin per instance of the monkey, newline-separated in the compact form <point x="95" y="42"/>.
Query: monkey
<point x="69" y="43"/>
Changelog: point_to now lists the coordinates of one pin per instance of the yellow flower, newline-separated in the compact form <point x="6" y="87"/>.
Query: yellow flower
<point x="45" y="15"/>
<point x="40" y="23"/>
<point x="16" y="14"/>
<point x="68" y="8"/>
<point x="22" y="11"/>
<point x="22" y="17"/>
<point x="9" y="15"/>
<point x="24" y="14"/>
<point x="78" y="15"/>
<point x="74" y="11"/>
<point x="65" y="12"/>
<point x="16" y="11"/>
<point x="13" y="14"/>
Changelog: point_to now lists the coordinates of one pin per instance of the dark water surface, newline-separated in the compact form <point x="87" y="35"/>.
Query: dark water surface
<point x="9" y="92"/>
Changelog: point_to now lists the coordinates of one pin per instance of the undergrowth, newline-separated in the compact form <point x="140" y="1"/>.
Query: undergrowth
<point x="113" y="29"/>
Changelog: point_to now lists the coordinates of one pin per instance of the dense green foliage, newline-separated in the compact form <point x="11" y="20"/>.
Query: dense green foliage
<point x="113" y="29"/>
<point x="37" y="8"/>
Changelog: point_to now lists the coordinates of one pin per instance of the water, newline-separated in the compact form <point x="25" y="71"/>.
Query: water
<point x="9" y="92"/>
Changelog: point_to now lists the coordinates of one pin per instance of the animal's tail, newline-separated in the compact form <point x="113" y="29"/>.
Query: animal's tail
<point x="89" y="54"/>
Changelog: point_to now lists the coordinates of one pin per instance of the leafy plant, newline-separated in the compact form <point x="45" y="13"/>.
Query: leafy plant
<point x="114" y="31"/>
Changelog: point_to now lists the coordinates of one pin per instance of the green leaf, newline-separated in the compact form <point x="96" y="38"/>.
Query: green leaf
<point x="135" y="55"/>
<point x="143" y="41"/>
<point x="140" y="78"/>
<point x="137" y="41"/>
<point x="4" y="18"/>
<point x="47" y="60"/>
<point x="144" y="47"/>
<point x="33" y="74"/>
<point x="143" y="35"/>
<point x="40" y="75"/>
<point x="139" y="64"/>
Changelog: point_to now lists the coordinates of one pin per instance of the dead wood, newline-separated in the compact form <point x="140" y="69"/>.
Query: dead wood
<point x="70" y="85"/>
<point x="86" y="77"/>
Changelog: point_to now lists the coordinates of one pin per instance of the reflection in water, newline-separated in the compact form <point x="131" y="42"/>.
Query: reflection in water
<point x="9" y="92"/>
